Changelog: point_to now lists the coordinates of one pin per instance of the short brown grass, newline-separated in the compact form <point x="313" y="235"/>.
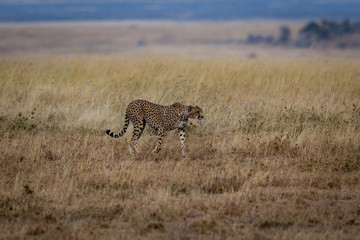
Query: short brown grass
<point x="276" y="157"/>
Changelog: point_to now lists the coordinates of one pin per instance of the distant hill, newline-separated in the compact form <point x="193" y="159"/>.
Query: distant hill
<point x="185" y="10"/>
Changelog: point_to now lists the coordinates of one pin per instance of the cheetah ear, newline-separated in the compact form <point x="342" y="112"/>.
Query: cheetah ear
<point x="189" y="108"/>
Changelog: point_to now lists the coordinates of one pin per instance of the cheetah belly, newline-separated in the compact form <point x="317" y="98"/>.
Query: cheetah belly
<point x="153" y="125"/>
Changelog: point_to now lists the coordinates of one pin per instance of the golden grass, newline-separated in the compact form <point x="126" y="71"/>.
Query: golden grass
<point x="277" y="155"/>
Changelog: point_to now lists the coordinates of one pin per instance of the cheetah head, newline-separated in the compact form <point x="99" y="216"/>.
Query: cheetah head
<point x="195" y="112"/>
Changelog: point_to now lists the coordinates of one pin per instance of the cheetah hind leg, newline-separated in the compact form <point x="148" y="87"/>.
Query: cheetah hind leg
<point x="160" y="134"/>
<point x="160" y="137"/>
<point x="138" y="130"/>
<point x="133" y="150"/>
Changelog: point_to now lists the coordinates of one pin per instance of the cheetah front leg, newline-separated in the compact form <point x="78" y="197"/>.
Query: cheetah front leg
<point x="181" y="132"/>
<point x="161" y="133"/>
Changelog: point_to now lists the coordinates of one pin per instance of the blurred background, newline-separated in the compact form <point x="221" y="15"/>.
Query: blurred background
<point x="242" y="28"/>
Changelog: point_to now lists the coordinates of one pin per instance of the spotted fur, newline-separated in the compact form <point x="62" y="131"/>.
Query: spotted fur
<point x="158" y="117"/>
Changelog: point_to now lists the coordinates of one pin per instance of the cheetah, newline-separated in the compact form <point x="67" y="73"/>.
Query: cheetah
<point x="158" y="117"/>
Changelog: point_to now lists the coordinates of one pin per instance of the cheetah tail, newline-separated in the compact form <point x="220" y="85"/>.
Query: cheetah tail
<point x="122" y="132"/>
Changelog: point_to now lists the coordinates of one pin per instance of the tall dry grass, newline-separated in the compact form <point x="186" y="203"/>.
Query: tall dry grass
<point x="277" y="155"/>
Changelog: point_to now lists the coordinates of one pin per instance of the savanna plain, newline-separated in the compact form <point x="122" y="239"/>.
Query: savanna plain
<point x="277" y="155"/>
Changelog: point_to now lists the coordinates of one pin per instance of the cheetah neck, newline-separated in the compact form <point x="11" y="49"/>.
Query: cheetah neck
<point x="184" y="115"/>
